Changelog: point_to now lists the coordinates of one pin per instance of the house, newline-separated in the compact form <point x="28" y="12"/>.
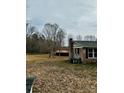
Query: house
<point x="82" y="51"/>
<point x="63" y="51"/>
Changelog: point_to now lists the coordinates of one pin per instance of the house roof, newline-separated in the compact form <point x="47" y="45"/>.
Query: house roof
<point x="62" y="51"/>
<point x="85" y="44"/>
<point x="64" y="48"/>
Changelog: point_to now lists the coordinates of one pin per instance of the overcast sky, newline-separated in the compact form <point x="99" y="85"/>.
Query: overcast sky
<point x="75" y="16"/>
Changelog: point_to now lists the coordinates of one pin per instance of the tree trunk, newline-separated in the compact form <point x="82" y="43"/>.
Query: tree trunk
<point x="59" y="51"/>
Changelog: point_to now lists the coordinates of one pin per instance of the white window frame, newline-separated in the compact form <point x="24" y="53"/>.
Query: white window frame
<point x="93" y="54"/>
<point x="76" y="55"/>
<point x="76" y="51"/>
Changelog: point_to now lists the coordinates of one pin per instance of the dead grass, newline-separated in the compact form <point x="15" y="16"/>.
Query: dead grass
<point x="44" y="57"/>
<point x="57" y="75"/>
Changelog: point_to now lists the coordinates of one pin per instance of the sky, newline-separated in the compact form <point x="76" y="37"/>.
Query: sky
<point x="76" y="17"/>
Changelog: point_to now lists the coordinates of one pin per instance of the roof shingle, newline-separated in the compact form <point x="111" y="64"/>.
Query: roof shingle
<point x="84" y="44"/>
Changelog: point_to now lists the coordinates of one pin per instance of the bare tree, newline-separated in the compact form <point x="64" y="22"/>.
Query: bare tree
<point x="50" y="32"/>
<point x="60" y="38"/>
<point x="79" y="37"/>
<point x="27" y="24"/>
<point x="27" y="28"/>
<point x="90" y="38"/>
<point x="48" y="41"/>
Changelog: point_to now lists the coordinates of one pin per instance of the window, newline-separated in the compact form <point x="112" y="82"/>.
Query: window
<point x="92" y="53"/>
<point x="95" y="53"/>
<point x="77" y="51"/>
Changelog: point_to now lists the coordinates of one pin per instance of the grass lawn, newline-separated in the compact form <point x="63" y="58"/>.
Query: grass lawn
<point x="57" y="75"/>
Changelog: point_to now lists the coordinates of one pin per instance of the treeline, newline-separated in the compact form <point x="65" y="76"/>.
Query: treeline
<point x="35" y="44"/>
<point x="48" y="40"/>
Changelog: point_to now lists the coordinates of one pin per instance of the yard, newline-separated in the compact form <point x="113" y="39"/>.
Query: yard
<point x="57" y="75"/>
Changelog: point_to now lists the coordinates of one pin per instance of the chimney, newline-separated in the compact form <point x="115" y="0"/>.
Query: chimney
<point x="70" y="48"/>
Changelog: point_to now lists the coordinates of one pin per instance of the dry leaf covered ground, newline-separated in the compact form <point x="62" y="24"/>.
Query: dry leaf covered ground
<point x="57" y="75"/>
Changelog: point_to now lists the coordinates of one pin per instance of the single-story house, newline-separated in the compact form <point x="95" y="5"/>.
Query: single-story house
<point x="82" y="51"/>
<point x="63" y="51"/>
